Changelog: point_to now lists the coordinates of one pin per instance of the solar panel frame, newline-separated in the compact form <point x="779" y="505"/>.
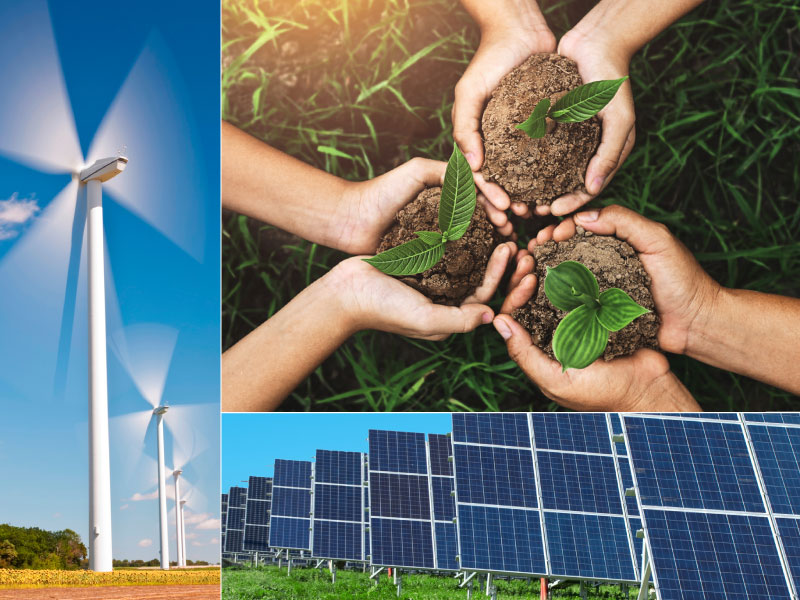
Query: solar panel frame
<point x="766" y="515"/>
<point x="291" y="493"/>
<point x="441" y="486"/>
<point x="330" y="486"/>
<point x="234" y="529"/>
<point x="255" y="537"/>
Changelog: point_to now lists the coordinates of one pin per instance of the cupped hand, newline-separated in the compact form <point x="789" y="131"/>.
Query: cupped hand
<point x="684" y="294"/>
<point x="640" y="382"/>
<point x="372" y="300"/>
<point x="368" y="207"/>
<point x="501" y="49"/>
<point x="598" y="58"/>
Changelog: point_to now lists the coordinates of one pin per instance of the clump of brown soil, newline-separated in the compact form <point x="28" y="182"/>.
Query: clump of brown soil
<point x="614" y="264"/>
<point x="461" y="270"/>
<point x="536" y="171"/>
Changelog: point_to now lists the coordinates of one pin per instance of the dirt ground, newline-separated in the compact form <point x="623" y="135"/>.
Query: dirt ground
<point x="126" y="592"/>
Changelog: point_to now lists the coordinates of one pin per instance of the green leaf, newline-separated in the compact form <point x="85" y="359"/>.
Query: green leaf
<point x="618" y="309"/>
<point x="536" y="126"/>
<point x="410" y="258"/>
<point x="585" y="101"/>
<point x="570" y="285"/>
<point x="432" y="238"/>
<point x="458" y="196"/>
<point x="579" y="338"/>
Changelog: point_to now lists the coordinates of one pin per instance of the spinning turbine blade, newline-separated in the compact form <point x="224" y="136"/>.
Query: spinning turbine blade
<point x="127" y="434"/>
<point x="35" y="274"/>
<point x="185" y="421"/>
<point x="145" y="351"/>
<point x="164" y="186"/>
<point x="37" y="127"/>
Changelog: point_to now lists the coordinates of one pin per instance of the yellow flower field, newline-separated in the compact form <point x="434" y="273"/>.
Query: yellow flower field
<point x="14" y="578"/>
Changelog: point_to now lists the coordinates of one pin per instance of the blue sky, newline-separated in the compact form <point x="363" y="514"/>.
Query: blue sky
<point x="87" y="81"/>
<point x="252" y="442"/>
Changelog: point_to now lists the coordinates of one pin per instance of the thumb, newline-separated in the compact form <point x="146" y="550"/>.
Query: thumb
<point x="646" y="236"/>
<point x="605" y="161"/>
<point x="523" y="351"/>
<point x="457" y="319"/>
<point x="467" y="110"/>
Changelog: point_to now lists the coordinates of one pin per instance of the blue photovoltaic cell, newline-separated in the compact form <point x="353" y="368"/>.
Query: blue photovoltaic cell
<point x="292" y="473"/>
<point x="616" y="427"/>
<point x="235" y="518"/>
<point x="444" y="506"/>
<point x="291" y="502"/>
<point x="577" y="432"/>
<point x="233" y="541"/>
<point x="334" y="466"/>
<point x="237" y="496"/>
<point x="397" y="452"/>
<point x="333" y="539"/>
<point x="440" y="451"/>
<point x="501" y="539"/>
<point x="257" y="512"/>
<point x="234" y="531"/>
<point x="256" y="521"/>
<point x="289" y="533"/>
<point x="589" y="546"/>
<point x="499" y="429"/>
<point x="627" y="483"/>
<point x="692" y="464"/>
<point x="446" y="546"/>
<point x="337" y="502"/>
<point x="789" y="418"/>
<point x="638" y="543"/>
<point x="399" y="496"/>
<point x="790" y="535"/>
<point x="259" y="488"/>
<point x="401" y="543"/>
<point x="714" y="556"/>
<point x="710" y="416"/>
<point x="488" y="475"/>
<point x="256" y="538"/>
<point x="578" y="482"/>
<point x="777" y="450"/>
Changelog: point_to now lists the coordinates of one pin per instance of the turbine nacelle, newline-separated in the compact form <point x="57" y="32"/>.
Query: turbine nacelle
<point x="103" y="169"/>
<point x="160" y="410"/>
<point x="177" y="473"/>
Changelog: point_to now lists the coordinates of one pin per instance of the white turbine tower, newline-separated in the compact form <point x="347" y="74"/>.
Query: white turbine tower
<point x="100" y="550"/>
<point x="178" y="517"/>
<point x="47" y="263"/>
<point x="159" y="412"/>
<point x="183" y="532"/>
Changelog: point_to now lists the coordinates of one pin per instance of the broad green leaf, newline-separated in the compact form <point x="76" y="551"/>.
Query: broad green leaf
<point x="585" y="101"/>
<point x="458" y="196"/>
<point x="618" y="309"/>
<point x="432" y="238"/>
<point x="535" y="125"/>
<point x="410" y="258"/>
<point x="569" y="285"/>
<point x="579" y="338"/>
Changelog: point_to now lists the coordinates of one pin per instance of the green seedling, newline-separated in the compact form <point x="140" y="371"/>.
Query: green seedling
<point x="580" y="104"/>
<point x="582" y="335"/>
<point x="456" y="208"/>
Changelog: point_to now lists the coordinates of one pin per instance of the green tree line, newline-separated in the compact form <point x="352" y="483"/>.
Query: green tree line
<point x="34" y="548"/>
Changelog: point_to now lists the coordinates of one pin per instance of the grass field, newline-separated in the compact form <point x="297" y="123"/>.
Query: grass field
<point x="269" y="583"/>
<point x="14" y="578"/>
<point x="358" y="87"/>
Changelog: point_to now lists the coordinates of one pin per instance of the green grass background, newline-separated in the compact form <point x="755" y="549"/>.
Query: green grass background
<point x="358" y="87"/>
<point x="270" y="583"/>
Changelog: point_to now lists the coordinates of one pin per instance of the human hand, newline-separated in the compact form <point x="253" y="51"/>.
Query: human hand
<point x="642" y="381"/>
<point x="600" y="58"/>
<point x="370" y="299"/>
<point x="368" y="207"/>
<point x="502" y="47"/>
<point x="684" y="294"/>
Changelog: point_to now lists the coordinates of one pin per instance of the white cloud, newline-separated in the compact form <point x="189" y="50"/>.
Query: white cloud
<point x="57" y="515"/>
<point x="193" y="518"/>
<point x="124" y="507"/>
<point x="137" y="497"/>
<point x="15" y="213"/>
<point x="214" y="524"/>
<point x="214" y="541"/>
<point x="192" y="536"/>
<point x="145" y="543"/>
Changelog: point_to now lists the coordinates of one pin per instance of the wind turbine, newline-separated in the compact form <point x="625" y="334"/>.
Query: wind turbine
<point x="179" y="531"/>
<point x="183" y="532"/>
<point x="44" y="266"/>
<point x="159" y="413"/>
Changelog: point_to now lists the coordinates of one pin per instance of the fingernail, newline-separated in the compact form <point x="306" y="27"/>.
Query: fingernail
<point x="502" y="329"/>
<point x="487" y="318"/>
<point x="597" y="184"/>
<point x="588" y="216"/>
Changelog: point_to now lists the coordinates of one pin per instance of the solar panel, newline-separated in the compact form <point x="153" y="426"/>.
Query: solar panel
<point x="541" y="494"/>
<point x="338" y="523"/>
<point x="234" y="529"/>
<point x="442" y="488"/>
<point x="709" y="530"/>
<point x="256" y="518"/>
<point x="223" y="521"/>
<point x="290" y="513"/>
